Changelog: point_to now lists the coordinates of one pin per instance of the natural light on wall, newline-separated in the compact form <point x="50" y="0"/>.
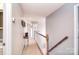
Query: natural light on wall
<point x="1" y="6"/>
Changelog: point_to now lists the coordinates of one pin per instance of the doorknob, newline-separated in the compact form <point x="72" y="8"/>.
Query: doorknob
<point x="3" y="44"/>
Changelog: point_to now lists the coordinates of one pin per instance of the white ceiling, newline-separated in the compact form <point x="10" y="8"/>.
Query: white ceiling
<point x="40" y="9"/>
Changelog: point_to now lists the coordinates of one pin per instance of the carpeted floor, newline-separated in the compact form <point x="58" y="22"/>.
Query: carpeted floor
<point x="32" y="49"/>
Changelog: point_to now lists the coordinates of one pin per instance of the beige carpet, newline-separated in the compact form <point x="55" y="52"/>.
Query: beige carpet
<point x="32" y="49"/>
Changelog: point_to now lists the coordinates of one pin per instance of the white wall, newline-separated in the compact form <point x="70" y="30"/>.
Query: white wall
<point x="1" y="5"/>
<point x="41" y="27"/>
<point x="17" y="30"/>
<point x="28" y="27"/>
<point x="61" y="24"/>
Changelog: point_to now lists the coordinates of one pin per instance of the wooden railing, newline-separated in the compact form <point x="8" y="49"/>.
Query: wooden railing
<point x="47" y="43"/>
<point x="65" y="38"/>
<point x="46" y="38"/>
<point x="40" y="34"/>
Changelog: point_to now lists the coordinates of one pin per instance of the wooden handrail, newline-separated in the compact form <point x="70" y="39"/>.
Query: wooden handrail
<point x="46" y="42"/>
<point x="40" y="34"/>
<point x="58" y="44"/>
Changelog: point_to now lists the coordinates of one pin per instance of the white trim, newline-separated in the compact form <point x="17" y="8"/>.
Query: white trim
<point x="7" y="24"/>
<point x="76" y="29"/>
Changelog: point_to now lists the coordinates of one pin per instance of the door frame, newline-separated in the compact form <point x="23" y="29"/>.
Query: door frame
<point x="7" y="24"/>
<point x="76" y="29"/>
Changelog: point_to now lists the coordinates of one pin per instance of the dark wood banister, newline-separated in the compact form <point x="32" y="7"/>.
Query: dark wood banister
<point x="66" y="37"/>
<point x="47" y="40"/>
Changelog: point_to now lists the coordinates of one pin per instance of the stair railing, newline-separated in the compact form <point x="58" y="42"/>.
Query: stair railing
<point x="47" y="43"/>
<point x="61" y="41"/>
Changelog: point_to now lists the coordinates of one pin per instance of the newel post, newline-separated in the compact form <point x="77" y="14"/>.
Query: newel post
<point x="47" y="40"/>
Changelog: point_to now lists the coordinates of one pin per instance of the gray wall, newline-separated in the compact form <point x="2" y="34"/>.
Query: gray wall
<point x="58" y="25"/>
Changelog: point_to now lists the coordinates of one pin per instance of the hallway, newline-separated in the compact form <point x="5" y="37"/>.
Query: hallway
<point x="48" y="26"/>
<point x="32" y="49"/>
